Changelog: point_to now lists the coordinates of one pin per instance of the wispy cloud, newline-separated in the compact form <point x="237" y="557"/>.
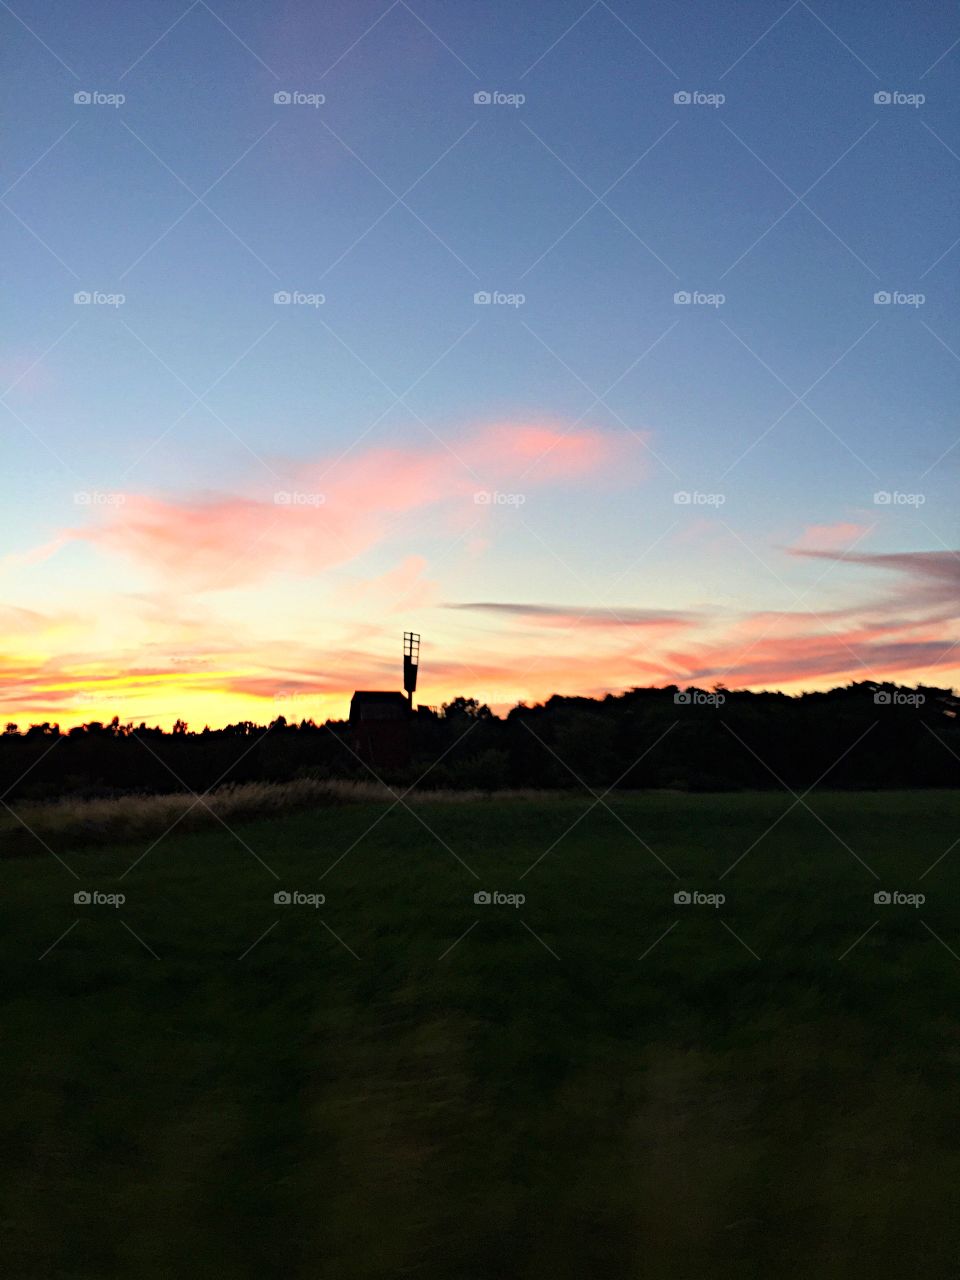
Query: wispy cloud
<point x="335" y="509"/>
<point x="831" y="537"/>
<point x="587" y="615"/>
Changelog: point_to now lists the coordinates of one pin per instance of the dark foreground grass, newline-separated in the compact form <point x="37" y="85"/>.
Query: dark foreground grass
<point x="599" y="1083"/>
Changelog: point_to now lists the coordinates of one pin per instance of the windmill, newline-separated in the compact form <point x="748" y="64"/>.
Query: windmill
<point x="382" y="722"/>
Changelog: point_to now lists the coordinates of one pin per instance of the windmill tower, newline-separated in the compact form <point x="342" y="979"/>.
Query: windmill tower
<point x="411" y="663"/>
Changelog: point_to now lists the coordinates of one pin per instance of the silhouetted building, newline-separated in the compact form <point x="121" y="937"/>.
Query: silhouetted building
<point x="377" y="704"/>
<point x="380" y="728"/>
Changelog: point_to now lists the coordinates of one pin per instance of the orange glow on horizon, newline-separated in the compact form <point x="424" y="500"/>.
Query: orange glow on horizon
<point x="221" y="608"/>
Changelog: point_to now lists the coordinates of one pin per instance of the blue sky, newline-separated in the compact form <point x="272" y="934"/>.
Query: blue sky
<point x="797" y="199"/>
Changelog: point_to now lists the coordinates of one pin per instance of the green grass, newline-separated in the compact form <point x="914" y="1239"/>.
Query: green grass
<point x="534" y="1101"/>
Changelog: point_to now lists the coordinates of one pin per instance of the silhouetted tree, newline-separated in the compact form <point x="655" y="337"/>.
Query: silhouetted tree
<point x="866" y="735"/>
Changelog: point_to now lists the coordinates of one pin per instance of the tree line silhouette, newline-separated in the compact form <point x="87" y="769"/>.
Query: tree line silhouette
<point x="865" y="735"/>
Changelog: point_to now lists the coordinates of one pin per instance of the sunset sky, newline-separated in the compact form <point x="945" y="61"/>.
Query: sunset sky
<point x="220" y="506"/>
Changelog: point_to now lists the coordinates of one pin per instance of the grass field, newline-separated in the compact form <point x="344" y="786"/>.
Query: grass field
<point x="401" y="1082"/>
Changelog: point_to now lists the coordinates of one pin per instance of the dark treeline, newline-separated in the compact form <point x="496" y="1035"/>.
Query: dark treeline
<point x="863" y="736"/>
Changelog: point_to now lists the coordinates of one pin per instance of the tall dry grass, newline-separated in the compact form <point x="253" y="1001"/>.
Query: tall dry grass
<point x="134" y="817"/>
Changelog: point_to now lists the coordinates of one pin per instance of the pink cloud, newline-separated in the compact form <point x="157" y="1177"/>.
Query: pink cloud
<point x="596" y="616"/>
<point x="830" y="537"/>
<point x="402" y="587"/>
<point x="800" y="659"/>
<point x="336" y="508"/>
<point x="931" y="579"/>
<point x="36" y="555"/>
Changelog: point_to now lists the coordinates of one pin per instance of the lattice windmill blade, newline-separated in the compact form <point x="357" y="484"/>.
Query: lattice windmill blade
<point x="411" y="663"/>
